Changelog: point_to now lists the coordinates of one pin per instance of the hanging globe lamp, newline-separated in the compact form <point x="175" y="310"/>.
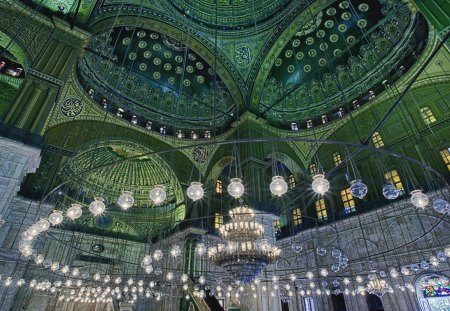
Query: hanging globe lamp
<point x="320" y="184"/>
<point x="236" y="188"/>
<point x="126" y="200"/>
<point x="97" y="207"/>
<point x="278" y="186"/>
<point x="74" y="211"/>
<point x="195" y="191"/>
<point x="158" y="194"/>
<point x="419" y="199"/>
<point x="358" y="189"/>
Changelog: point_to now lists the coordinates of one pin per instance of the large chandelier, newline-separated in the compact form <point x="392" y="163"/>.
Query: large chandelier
<point x="377" y="287"/>
<point x="245" y="252"/>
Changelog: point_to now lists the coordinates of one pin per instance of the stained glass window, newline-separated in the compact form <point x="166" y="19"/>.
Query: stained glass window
<point x="218" y="220"/>
<point x="297" y="216"/>
<point x="393" y="178"/>
<point x="313" y="169"/>
<point x="291" y="181"/>
<point x="348" y="200"/>
<point x="445" y="154"/>
<point x="337" y="158"/>
<point x="377" y="140"/>
<point x="218" y="187"/>
<point x="427" y="115"/>
<point x="321" y="209"/>
<point x="434" y="287"/>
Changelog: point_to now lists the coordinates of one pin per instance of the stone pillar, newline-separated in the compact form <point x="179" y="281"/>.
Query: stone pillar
<point x="36" y="97"/>
<point x="16" y="160"/>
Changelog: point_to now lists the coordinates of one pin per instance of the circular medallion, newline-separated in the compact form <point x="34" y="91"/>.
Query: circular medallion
<point x="337" y="52"/>
<point x="142" y="44"/>
<point x="71" y="107"/>
<point x="344" y="5"/>
<point x="200" y="154"/>
<point x="362" y="23"/>
<point x="278" y="62"/>
<point x="187" y="82"/>
<point x="331" y="11"/>
<point x="192" y="57"/>
<point x="200" y="79"/>
<point x="126" y="41"/>
<point x="290" y="68"/>
<point x="307" y="68"/>
<point x="147" y="54"/>
<point x="363" y="7"/>
<point x="132" y="56"/>
<point x="178" y="59"/>
<point x="334" y="38"/>
<point x="329" y="24"/>
<point x="312" y="53"/>
<point x="171" y="80"/>
<point x="156" y="75"/>
<point x="156" y="47"/>
<point x="346" y="16"/>
<point x="157" y="61"/>
<point x="141" y="34"/>
<point x="322" y="62"/>
<point x="190" y="69"/>
<point x="154" y="36"/>
<point x="342" y="28"/>
<point x="296" y="43"/>
<point x="167" y="66"/>
<point x="299" y="55"/>
<point x="320" y="33"/>
<point x="199" y="65"/>
<point x="167" y="54"/>
<point x="309" y="40"/>
<point x="288" y="53"/>
<point x="351" y="39"/>
<point x="178" y="70"/>
<point x="143" y="67"/>
<point x="323" y="46"/>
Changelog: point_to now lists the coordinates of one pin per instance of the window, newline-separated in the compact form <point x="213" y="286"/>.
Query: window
<point x="218" y="187"/>
<point x="347" y="199"/>
<point x="427" y="115"/>
<point x="337" y="158"/>
<point x="218" y="220"/>
<point x="377" y="140"/>
<point x="313" y="169"/>
<point x="445" y="154"/>
<point x="321" y="209"/>
<point x="297" y="216"/>
<point x="308" y="304"/>
<point x="393" y="178"/>
<point x="276" y="224"/>
<point x="294" y="126"/>
<point x="291" y="181"/>
<point x="309" y="124"/>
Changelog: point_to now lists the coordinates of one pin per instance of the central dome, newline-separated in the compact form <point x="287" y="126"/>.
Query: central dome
<point x="230" y="14"/>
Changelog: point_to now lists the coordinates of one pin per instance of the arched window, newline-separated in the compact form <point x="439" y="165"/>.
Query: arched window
<point x="427" y="115"/>
<point x="348" y="200"/>
<point x="297" y="216"/>
<point x="377" y="140"/>
<point x="218" y="187"/>
<point x="321" y="209"/>
<point x="337" y="158"/>
<point x="445" y="154"/>
<point x="313" y="169"/>
<point x="218" y="220"/>
<point x="433" y="292"/>
<point x="291" y="181"/>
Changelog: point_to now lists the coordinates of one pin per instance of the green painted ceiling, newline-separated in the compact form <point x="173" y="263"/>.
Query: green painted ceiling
<point x="230" y="14"/>
<point x="139" y="174"/>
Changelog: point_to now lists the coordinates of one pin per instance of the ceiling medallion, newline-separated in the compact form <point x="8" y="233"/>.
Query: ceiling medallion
<point x="200" y="154"/>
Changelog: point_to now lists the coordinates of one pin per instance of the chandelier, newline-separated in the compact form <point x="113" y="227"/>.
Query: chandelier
<point x="245" y="252"/>
<point x="377" y="287"/>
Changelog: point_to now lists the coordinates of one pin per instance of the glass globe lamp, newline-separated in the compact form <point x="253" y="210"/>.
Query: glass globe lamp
<point x="278" y="186"/>
<point x="200" y="249"/>
<point x="236" y="188"/>
<point x="297" y="247"/>
<point x="74" y="211"/>
<point x="441" y="206"/>
<point x="390" y="192"/>
<point x="195" y="191"/>
<point x="358" y="188"/>
<point x="158" y="255"/>
<point x="320" y="184"/>
<point x="126" y="200"/>
<point x="42" y="225"/>
<point x="56" y="218"/>
<point x="175" y="251"/>
<point x="97" y="207"/>
<point x="158" y="194"/>
<point x="419" y="199"/>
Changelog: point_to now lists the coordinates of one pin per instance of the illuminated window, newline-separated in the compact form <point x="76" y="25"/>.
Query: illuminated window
<point x="297" y="216"/>
<point x="218" y="220"/>
<point x="218" y="186"/>
<point x="393" y="178"/>
<point x="291" y="181"/>
<point x="313" y="169"/>
<point x="337" y="158"/>
<point x="427" y="115"/>
<point x="377" y="140"/>
<point x="276" y="224"/>
<point x="347" y="199"/>
<point x="445" y="154"/>
<point x="321" y="209"/>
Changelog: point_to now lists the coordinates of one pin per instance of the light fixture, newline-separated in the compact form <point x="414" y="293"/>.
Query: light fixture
<point x="377" y="287"/>
<point x="158" y="194"/>
<point x="56" y="218"/>
<point x="236" y="188"/>
<point x="97" y="207"/>
<point x="175" y="251"/>
<point x="200" y="249"/>
<point x="74" y="211"/>
<point x="195" y="191"/>
<point x="245" y="252"/>
<point x="278" y="186"/>
<point x="126" y="200"/>
<point x="390" y="191"/>
<point x="441" y="206"/>
<point x="358" y="188"/>
<point x="42" y="225"/>
<point x="320" y="184"/>
<point x="419" y="199"/>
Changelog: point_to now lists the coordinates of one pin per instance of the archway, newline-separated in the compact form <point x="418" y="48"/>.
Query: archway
<point x="433" y="292"/>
